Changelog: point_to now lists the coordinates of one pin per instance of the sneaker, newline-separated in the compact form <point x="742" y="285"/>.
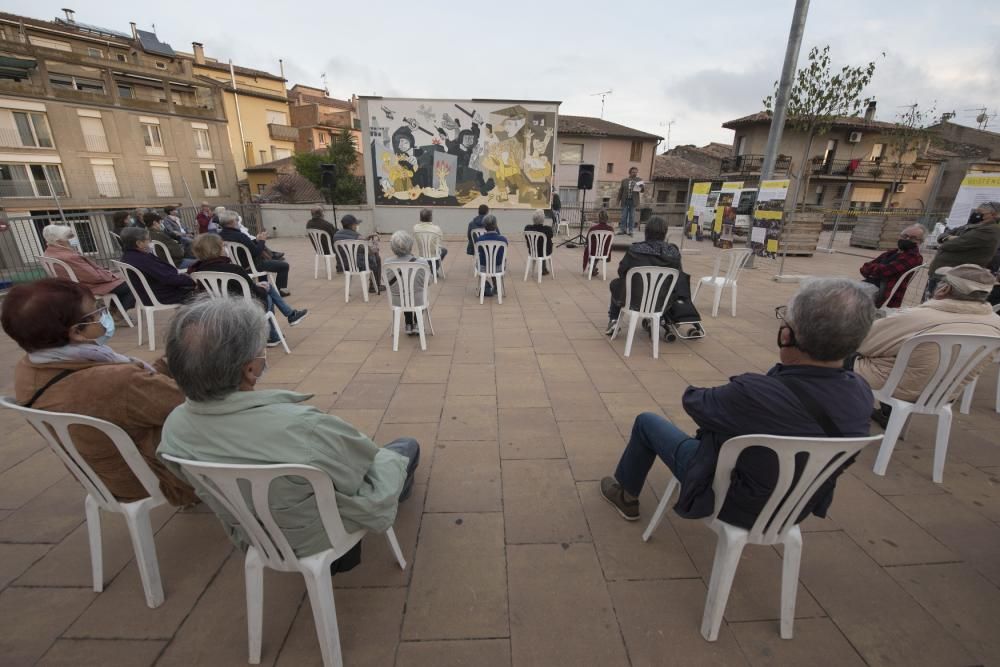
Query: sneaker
<point x="615" y="494"/>
<point x="408" y="329"/>
<point x="285" y="292"/>
<point x="273" y="342"/>
<point x="297" y="316"/>
<point x="611" y="327"/>
<point x="881" y="414"/>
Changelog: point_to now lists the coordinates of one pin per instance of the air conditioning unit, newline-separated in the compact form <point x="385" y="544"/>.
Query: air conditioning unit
<point x="854" y="137"/>
<point x="900" y="187"/>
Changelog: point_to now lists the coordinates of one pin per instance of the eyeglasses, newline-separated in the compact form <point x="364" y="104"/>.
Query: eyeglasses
<point x="92" y="317"/>
<point x="908" y="237"/>
<point x="779" y="312"/>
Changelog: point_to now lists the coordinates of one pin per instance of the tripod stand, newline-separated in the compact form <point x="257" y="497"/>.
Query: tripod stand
<point x="580" y="238"/>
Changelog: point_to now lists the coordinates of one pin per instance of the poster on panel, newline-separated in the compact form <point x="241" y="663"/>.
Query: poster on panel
<point x="725" y="214"/>
<point x="977" y="188"/>
<point x="767" y="217"/>
<point x="698" y="213"/>
<point x="461" y="153"/>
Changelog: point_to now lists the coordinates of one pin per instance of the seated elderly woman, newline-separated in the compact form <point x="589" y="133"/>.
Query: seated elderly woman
<point x="215" y="348"/>
<point x="168" y="286"/>
<point x="209" y="250"/>
<point x="401" y="244"/>
<point x="62" y="244"/>
<point x="69" y="367"/>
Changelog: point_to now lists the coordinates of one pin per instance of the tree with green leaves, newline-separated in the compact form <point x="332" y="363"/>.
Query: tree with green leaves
<point x="908" y="134"/>
<point x="817" y="98"/>
<point x="342" y="152"/>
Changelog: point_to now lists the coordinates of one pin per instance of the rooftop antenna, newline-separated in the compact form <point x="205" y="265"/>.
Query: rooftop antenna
<point x="669" y="124"/>
<point x="984" y="117"/>
<point x="154" y="30"/>
<point x="603" y="95"/>
<point x="326" y="88"/>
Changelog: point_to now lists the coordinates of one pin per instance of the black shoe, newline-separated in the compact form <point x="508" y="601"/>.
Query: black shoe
<point x="277" y="255"/>
<point x="285" y="292"/>
<point x="297" y="316"/>
<point x="615" y="494"/>
<point x="611" y="327"/>
<point x="881" y="415"/>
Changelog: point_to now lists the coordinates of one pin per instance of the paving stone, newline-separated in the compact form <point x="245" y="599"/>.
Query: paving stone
<point x="883" y="623"/>
<point x="592" y="448"/>
<point x="328" y="378"/>
<point x="576" y="402"/>
<point x="16" y="558"/>
<point x="560" y="610"/>
<point x="465" y="478"/>
<point x="367" y="391"/>
<point x="427" y="369"/>
<point x="48" y="517"/>
<point x="368" y="620"/>
<point x="817" y="642"/>
<point x="365" y="420"/>
<point x="540" y="503"/>
<point x="472" y="380"/>
<point x="121" y="611"/>
<point x="29" y="478"/>
<point x="102" y="653"/>
<point x="425" y="434"/>
<point x="469" y="418"/>
<point x="459" y="585"/>
<point x="32" y="618"/>
<point x="529" y="433"/>
<point x="522" y="391"/>
<point x="416" y="403"/>
<point x="480" y="652"/>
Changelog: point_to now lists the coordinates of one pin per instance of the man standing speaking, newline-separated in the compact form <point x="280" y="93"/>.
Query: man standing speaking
<point x="628" y="197"/>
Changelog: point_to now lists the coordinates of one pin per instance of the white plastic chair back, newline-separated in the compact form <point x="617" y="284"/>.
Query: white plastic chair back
<point x="321" y="240"/>
<point x="141" y="309"/>
<point x="161" y="250"/>
<point x="347" y="251"/>
<point x="913" y="281"/>
<point x="428" y="245"/>
<point x="738" y="258"/>
<point x="599" y="243"/>
<point x="653" y="280"/>
<point x="52" y="266"/>
<point x="54" y="427"/>
<point x="401" y="280"/>
<point x="536" y="245"/>
<point x="216" y="284"/>
<point x="960" y="357"/>
<point x="240" y="254"/>
<point x="491" y="260"/>
<point x="476" y="233"/>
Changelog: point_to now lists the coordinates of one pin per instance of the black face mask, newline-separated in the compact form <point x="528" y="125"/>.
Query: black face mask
<point x="975" y="217"/>
<point x="906" y="244"/>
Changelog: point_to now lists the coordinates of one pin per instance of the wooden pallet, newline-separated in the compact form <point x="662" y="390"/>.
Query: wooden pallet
<point x="800" y="234"/>
<point x="878" y="232"/>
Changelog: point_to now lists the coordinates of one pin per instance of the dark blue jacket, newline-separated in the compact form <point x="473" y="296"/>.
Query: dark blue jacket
<point x="234" y="235"/>
<point x="477" y="223"/>
<point x="168" y="286"/>
<point x="754" y="403"/>
<point x="492" y="236"/>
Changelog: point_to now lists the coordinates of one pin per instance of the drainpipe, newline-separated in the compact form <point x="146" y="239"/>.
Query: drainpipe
<point x="239" y="118"/>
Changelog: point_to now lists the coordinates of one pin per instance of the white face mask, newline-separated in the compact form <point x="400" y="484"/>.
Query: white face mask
<point x="74" y="243"/>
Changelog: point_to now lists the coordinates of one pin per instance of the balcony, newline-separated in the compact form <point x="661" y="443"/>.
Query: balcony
<point x="283" y="132"/>
<point x="746" y="165"/>
<point x="866" y="170"/>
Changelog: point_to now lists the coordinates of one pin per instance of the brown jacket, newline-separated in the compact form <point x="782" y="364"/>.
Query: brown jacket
<point x="95" y="278"/>
<point x="127" y="395"/>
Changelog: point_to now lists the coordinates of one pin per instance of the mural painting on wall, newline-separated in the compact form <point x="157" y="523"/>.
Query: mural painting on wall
<point x="461" y="153"/>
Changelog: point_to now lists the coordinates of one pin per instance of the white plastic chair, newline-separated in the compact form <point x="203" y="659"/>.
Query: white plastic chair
<point x="654" y="281"/>
<point x="494" y="265"/>
<point x="161" y="250"/>
<point x="955" y="367"/>
<point x="429" y="250"/>
<point x="270" y="548"/>
<point x="54" y="428"/>
<point x="348" y="253"/>
<point x="216" y="284"/>
<point x="562" y="222"/>
<point x="536" y="255"/>
<point x="321" y="240"/>
<point x="776" y="523"/>
<point x="476" y="233"/>
<point x="970" y="389"/>
<point x="738" y="258"/>
<point x="240" y="254"/>
<point x="133" y="275"/>
<point x="404" y="276"/>
<point x="599" y="246"/>
<point x="915" y="280"/>
<point x="50" y="266"/>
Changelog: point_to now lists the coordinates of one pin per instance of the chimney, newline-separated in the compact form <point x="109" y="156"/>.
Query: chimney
<point x="135" y="34"/>
<point x="69" y="15"/>
<point x="199" y="52"/>
<point x="870" y="112"/>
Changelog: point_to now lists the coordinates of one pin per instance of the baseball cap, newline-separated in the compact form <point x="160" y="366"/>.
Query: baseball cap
<point x="967" y="278"/>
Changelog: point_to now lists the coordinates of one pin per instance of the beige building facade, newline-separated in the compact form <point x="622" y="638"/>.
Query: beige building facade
<point x="318" y="117"/>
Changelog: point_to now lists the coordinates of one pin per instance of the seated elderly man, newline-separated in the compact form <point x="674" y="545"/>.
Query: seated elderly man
<point x="809" y="393"/>
<point x="885" y="270"/>
<point x="349" y="232"/>
<point x="492" y="234"/>
<point x="168" y="286"/>
<point x="958" y="307"/>
<point x="215" y="349"/>
<point x="61" y="243"/>
<point x="401" y="243"/>
<point x="262" y="257"/>
<point x="318" y="222"/>
<point x="426" y="226"/>
<point x="538" y="225"/>
<point x="153" y="222"/>
<point x="654" y="251"/>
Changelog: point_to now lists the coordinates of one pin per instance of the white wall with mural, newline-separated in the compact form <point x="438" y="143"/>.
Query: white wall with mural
<point x="460" y="153"/>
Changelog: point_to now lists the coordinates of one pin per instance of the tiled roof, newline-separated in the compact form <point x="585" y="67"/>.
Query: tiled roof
<point x="841" y="121"/>
<point x="247" y="71"/>
<point x="598" y="127"/>
<point x="673" y="168"/>
<point x="304" y="98"/>
<point x="715" y="149"/>
<point x="291" y="188"/>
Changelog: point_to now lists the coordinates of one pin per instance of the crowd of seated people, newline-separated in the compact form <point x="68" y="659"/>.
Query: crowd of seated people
<point x="61" y="243"/>
<point x="167" y="285"/>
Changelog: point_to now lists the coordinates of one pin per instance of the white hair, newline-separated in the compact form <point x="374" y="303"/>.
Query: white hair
<point x="219" y="210"/>
<point x="228" y="218"/>
<point x="56" y="233"/>
<point x="401" y="243"/>
<point x="538" y="218"/>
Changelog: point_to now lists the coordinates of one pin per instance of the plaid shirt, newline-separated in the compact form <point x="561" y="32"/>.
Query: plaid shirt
<point x="887" y="268"/>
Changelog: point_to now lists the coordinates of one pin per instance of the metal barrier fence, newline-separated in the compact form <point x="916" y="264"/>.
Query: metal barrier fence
<point x="21" y="239"/>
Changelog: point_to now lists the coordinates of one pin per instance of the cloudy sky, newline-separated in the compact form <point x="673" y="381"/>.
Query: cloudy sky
<point x="698" y="64"/>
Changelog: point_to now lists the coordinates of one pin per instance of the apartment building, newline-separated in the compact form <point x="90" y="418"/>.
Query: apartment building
<point x="92" y="118"/>
<point x="613" y="149"/>
<point x="851" y="164"/>
<point x="318" y="117"/>
<point x="256" y="106"/>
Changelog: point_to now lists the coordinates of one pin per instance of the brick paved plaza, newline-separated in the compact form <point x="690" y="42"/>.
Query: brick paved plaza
<point x="514" y="559"/>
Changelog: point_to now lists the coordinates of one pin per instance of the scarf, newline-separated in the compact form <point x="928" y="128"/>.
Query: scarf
<point x="83" y="352"/>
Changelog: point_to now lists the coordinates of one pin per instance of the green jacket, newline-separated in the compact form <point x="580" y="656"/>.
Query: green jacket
<point x="970" y="244"/>
<point x="273" y="426"/>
